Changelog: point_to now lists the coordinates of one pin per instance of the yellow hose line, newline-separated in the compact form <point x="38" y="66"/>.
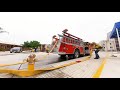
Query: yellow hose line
<point x="12" y="64"/>
<point x="99" y="70"/>
<point x="26" y="73"/>
<point x="22" y="73"/>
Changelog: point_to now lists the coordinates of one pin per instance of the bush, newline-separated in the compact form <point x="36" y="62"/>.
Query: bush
<point x="2" y="49"/>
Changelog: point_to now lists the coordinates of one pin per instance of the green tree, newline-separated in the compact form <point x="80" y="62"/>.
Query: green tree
<point x="34" y="44"/>
<point x="26" y="44"/>
<point x="31" y="44"/>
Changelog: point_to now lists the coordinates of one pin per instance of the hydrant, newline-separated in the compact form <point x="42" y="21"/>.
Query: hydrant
<point x="31" y="61"/>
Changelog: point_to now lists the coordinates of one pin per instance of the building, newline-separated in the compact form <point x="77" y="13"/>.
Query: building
<point x="115" y="33"/>
<point x="115" y="40"/>
<point x="108" y="45"/>
<point x="103" y="45"/>
<point x="44" y="47"/>
<point x="117" y="44"/>
<point x="7" y="46"/>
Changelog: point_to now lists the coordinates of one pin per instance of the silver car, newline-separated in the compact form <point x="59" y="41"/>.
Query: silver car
<point x="16" y="50"/>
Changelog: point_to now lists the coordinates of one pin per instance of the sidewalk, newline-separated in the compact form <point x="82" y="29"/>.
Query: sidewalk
<point x="84" y="69"/>
<point x="112" y="67"/>
<point x="5" y="53"/>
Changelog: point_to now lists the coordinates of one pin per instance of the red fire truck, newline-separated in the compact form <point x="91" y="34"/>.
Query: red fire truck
<point x="68" y="44"/>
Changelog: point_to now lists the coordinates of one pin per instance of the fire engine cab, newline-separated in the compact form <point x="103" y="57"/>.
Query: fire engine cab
<point x="68" y="44"/>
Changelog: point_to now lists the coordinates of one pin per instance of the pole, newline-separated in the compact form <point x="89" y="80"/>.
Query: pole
<point x="118" y="37"/>
<point x="18" y="69"/>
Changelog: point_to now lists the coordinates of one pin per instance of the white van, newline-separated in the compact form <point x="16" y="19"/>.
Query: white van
<point x="16" y="50"/>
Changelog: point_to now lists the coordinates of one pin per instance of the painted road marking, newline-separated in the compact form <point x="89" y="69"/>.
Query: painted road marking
<point x="99" y="70"/>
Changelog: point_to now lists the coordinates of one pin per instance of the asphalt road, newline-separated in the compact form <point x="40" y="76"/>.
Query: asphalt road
<point x="9" y="58"/>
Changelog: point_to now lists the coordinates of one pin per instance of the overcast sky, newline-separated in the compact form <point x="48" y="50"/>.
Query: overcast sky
<point x="41" y="26"/>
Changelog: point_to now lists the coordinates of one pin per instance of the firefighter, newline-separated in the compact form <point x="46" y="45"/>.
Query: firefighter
<point x="96" y="53"/>
<point x="35" y="49"/>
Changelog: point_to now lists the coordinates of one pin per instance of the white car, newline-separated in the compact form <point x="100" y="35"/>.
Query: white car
<point x="16" y="49"/>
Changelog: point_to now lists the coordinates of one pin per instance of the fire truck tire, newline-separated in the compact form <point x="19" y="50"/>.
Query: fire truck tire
<point x="76" y="54"/>
<point x="62" y="56"/>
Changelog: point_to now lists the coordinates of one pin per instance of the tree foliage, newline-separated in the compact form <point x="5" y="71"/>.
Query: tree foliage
<point x="31" y="44"/>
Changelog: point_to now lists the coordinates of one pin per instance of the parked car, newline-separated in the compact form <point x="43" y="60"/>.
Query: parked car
<point x="16" y="49"/>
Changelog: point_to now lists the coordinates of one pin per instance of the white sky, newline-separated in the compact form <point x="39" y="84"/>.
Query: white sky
<point x="41" y="26"/>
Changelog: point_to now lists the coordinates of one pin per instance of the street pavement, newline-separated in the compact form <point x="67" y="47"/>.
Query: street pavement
<point x="84" y="69"/>
<point x="9" y="58"/>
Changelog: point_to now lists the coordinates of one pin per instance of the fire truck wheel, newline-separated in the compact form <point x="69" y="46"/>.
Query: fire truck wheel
<point x="62" y="56"/>
<point x="76" y="54"/>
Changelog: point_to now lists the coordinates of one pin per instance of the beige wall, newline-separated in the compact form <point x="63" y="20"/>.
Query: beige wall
<point x="108" y="45"/>
<point x="6" y="47"/>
